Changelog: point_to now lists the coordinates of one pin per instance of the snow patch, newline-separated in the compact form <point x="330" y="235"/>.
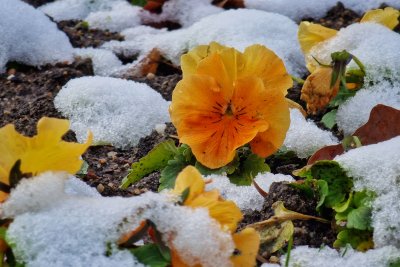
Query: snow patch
<point x="117" y="111"/>
<point x="29" y="37"/>
<point x="304" y="137"/>
<point x="377" y="168"/>
<point x="79" y="229"/>
<point x="304" y="256"/>
<point x="246" y="198"/>
<point x="237" y="28"/>
<point x="355" y="112"/>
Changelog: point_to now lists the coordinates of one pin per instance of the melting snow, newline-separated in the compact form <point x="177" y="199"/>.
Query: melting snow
<point x="117" y="111"/>
<point x="29" y="37"/>
<point x="304" y="137"/>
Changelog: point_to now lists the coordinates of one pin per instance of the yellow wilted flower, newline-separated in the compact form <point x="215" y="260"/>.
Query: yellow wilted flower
<point x="310" y="34"/>
<point x="43" y="152"/>
<point x="227" y="99"/>
<point x="317" y="91"/>
<point x="225" y="212"/>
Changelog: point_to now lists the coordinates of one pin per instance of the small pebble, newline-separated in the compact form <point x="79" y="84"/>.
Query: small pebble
<point x="102" y="161"/>
<point x="100" y="188"/>
<point x="274" y="259"/>
<point x="150" y="76"/>
<point x="111" y="185"/>
<point x="112" y="154"/>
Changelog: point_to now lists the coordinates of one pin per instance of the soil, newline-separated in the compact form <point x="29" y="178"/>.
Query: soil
<point x="27" y="94"/>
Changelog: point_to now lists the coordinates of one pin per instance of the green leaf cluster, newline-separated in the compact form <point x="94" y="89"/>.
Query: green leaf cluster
<point x="171" y="160"/>
<point x="150" y="255"/>
<point x="351" y="209"/>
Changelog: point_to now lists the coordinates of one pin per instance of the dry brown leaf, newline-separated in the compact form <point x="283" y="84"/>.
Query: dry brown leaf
<point x="154" y="6"/>
<point x="229" y="3"/>
<point x="383" y="124"/>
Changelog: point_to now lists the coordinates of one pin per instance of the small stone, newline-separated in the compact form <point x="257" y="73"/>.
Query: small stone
<point x="274" y="259"/>
<point x="100" y="188"/>
<point x="150" y="76"/>
<point x="102" y="161"/>
<point x="112" y="154"/>
<point x="111" y="185"/>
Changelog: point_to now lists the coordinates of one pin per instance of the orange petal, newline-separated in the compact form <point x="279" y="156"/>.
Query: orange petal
<point x="387" y="17"/>
<point x="278" y="116"/>
<point x="190" y="178"/>
<point x="247" y="243"/>
<point x="316" y="91"/>
<point x="310" y="34"/>
<point x="262" y="62"/>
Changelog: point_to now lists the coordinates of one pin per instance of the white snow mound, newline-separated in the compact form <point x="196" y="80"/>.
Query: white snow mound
<point x="237" y="28"/>
<point x="117" y="111"/>
<point x="29" y="37"/>
<point x="246" y="198"/>
<point x="304" y="137"/>
<point x="81" y="229"/>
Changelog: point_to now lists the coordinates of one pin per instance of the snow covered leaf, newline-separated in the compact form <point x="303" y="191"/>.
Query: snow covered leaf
<point x="150" y="256"/>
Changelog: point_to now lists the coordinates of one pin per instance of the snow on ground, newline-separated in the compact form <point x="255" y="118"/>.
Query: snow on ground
<point x="105" y="62"/>
<point x="304" y="137"/>
<point x="246" y="198"/>
<point x="300" y="9"/>
<point x="81" y="228"/>
<point x="236" y="28"/>
<point x="374" y="45"/>
<point x="29" y="37"/>
<point x="304" y="256"/>
<point x="355" y="112"/>
<point x="117" y="111"/>
<point x="377" y="168"/>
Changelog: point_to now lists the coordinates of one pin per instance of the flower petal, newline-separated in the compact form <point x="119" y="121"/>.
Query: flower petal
<point x="387" y="17"/>
<point x="190" y="178"/>
<point x="264" y="63"/>
<point x="277" y="112"/>
<point x="310" y="34"/>
<point x="225" y="212"/>
<point x="247" y="243"/>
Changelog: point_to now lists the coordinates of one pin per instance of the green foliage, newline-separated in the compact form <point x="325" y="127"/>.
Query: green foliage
<point x="150" y="255"/>
<point x="155" y="160"/>
<point x="141" y="3"/>
<point x="182" y="158"/>
<point x="248" y="168"/>
<point x="338" y="184"/>
<point x="329" y="119"/>
<point x="358" y="239"/>
<point x="395" y="263"/>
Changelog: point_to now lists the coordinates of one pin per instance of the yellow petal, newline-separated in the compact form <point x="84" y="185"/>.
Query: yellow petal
<point x="310" y="34"/>
<point x="190" y="178"/>
<point x="264" y="63"/>
<point x="387" y="17"/>
<point x="225" y="212"/>
<point x="316" y="91"/>
<point x="247" y="243"/>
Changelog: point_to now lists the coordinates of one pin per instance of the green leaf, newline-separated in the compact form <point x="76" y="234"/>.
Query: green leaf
<point x="141" y="3"/>
<point x="248" y="169"/>
<point x="342" y="96"/>
<point x="323" y="190"/>
<point x="329" y="119"/>
<point x="307" y="187"/>
<point x="359" y="218"/>
<point x="155" y="160"/>
<point x="360" y="240"/>
<point x="84" y="168"/>
<point x="339" y="184"/>
<point x="150" y="255"/>
<point x="395" y="263"/>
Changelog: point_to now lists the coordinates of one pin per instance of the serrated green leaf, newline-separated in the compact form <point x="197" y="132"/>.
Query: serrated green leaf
<point x="228" y="169"/>
<point x="342" y="207"/>
<point x="155" y="160"/>
<point x="323" y="190"/>
<point x="307" y="187"/>
<point x="359" y="218"/>
<point x="171" y="171"/>
<point x="150" y="255"/>
<point x="247" y="170"/>
<point x="329" y="119"/>
<point x="339" y="184"/>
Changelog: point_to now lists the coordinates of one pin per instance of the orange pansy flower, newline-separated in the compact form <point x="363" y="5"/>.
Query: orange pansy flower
<point x="226" y="99"/>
